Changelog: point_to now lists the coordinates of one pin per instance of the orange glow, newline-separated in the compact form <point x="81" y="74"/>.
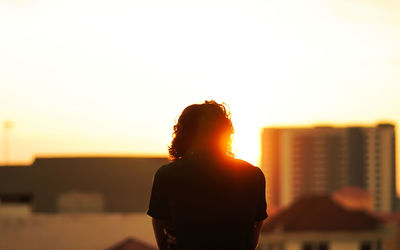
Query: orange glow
<point x="245" y="144"/>
<point x="111" y="78"/>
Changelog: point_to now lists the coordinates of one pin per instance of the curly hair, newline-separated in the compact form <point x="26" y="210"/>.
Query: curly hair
<point x="202" y="126"/>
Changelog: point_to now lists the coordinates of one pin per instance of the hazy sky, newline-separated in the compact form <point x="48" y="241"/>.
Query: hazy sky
<point x="94" y="77"/>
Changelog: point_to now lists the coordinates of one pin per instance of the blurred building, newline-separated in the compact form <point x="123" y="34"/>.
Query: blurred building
<point x="318" y="160"/>
<point x="80" y="184"/>
<point x="392" y="222"/>
<point x="319" y="223"/>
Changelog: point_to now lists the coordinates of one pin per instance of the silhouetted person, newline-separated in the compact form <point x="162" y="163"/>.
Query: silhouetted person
<point x="205" y="198"/>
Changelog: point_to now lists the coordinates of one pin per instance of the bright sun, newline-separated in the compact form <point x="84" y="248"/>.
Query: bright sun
<point x="246" y="142"/>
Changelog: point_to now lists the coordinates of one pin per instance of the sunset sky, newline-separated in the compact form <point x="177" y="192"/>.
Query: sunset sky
<point x="111" y="77"/>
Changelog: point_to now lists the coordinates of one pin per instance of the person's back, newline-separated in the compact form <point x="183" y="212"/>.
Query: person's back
<point x="205" y="198"/>
<point x="211" y="205"/>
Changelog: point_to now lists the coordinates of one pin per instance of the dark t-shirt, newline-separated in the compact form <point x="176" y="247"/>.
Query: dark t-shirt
<point x="211" y="205"/>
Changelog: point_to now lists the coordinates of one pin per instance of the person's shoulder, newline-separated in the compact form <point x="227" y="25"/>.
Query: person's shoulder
<point x="165" y="169"/>
<point x="243" y="163"/>
<point x="248" y="167"/>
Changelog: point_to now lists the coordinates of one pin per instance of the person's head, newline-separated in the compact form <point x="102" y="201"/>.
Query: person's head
<point x="202" y="128"/>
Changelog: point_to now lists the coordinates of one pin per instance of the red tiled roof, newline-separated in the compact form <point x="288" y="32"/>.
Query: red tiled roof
<point x="320" y="213"/>
<point x="131" y="244"/>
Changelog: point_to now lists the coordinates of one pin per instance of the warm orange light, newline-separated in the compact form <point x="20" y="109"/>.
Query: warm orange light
<point x="245" y="143"/>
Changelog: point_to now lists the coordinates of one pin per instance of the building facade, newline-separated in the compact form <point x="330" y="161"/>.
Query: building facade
<point x="320" y="160"/>
<point x="79" y="184"/>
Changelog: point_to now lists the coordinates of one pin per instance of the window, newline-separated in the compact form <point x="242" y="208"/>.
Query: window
<point x="307" y="246"/>
<point x="378" y="245"/>
<point x="315" y="246"/>
<point x="366" y="246"/>
<point x="323" y="246"/>
<point x="371" y="245"/>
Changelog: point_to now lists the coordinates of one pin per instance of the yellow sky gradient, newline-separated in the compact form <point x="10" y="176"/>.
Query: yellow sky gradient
<point x="107" y="77"/>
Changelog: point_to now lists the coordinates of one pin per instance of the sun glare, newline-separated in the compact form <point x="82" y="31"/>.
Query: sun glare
<point x="246" y="143"/>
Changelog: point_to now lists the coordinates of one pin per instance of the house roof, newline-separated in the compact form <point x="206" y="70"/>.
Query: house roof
<point x="320" y="213"/>
<point x="131" y="244"/>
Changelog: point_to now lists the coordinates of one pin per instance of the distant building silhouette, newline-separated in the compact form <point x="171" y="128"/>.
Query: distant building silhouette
<point x="80" y="184"/>
<point x="318" y="160"/>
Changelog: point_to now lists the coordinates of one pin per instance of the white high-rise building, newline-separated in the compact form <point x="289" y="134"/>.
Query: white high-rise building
<point x="321" y="160"/>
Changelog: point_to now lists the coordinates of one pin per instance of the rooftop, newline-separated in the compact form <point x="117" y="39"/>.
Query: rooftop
<point x="320" y="213"/>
